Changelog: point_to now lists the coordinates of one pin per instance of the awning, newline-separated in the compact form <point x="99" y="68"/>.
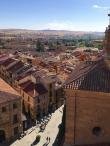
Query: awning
<point x="23" y="117"/>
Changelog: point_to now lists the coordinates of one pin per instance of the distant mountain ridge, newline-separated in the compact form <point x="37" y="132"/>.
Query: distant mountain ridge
<point x="53" y="32"/>
<point x="46" y="30"/>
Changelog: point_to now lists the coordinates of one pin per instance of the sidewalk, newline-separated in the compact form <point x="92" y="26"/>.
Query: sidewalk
<point x="51" y="131"/>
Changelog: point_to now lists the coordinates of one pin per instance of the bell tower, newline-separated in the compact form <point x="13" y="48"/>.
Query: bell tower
<point x="107" y="44"/>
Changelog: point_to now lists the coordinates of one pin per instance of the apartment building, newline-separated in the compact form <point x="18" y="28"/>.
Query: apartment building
<point x="34" y="99"/>
<point x="10" y="113"/>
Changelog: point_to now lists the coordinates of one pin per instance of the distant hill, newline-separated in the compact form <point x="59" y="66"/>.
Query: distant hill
<point x="62" y="33"/>
<point x="15" y="31"/>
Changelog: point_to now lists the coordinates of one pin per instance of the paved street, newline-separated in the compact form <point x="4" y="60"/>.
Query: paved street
<point x="51" y="131"/>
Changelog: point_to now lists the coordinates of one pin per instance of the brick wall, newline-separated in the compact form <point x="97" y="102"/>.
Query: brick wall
<point x="85" y="111"/>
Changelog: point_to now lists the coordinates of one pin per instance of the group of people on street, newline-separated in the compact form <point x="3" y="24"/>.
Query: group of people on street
<point x="48" y="139"/>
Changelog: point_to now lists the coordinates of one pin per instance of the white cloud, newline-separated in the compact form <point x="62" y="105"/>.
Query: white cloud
<point x="73" y="26"/>
<point x="55" y="25"/>
<point x="100" y="7"/>
<point x="70" y="25"/>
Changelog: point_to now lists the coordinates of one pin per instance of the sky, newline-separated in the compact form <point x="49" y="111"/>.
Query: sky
<point x="75" y="15"/>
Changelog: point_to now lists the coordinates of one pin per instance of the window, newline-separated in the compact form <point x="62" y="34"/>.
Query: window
<point x="56" y="94"/>
<point x="28" y="107"/>
<point x="50" y="90"/>
<point x="23" y="94"/>
<point x="28" y="98"/>
<point x="16" y="131"/>
<point x="3" y="109"/>
<point x="38" y="99"/>
<point x="50" y="86"/>
<point x="50" y="93"/>
<point x="96" y="131"/>
<point x="14" y="105"/>
<point x="38" y="108"/>
<point x="50" y="100"/>
<point x="15" y="119"/>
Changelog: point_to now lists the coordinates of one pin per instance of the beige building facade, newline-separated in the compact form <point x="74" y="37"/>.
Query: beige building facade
<point x="10" y="113"/>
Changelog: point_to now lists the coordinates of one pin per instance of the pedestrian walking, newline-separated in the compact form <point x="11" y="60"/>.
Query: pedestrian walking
<point x="49" y="139"/>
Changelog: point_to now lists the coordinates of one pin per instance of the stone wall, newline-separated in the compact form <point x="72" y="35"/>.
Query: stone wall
<point x="6" y="122"/>
<point x="84" y="112"/>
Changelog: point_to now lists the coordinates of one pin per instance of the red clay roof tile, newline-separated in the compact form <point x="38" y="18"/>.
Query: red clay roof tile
<point x="92" y="77"/>
<point x="7" y="93"/>
<point x="33" y="89"/>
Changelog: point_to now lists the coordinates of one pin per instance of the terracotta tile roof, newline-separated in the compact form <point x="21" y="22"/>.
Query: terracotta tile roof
<point x="92" y="77"/>
<point x="3" y="55"/>
<point x="3" y="59"/>
<point x="24" y="69"/>
<point x="33" y="89"/>
<point x="25" y="84"/>
<point x="39" y="73"/>
<point x="20" y="77"/>
<point x="15" y="67"/>
<point x="8" y="61"/>
<point x="7" y="93"/>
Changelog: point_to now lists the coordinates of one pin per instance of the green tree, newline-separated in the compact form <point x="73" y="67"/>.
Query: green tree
<point x="52" y="45"/>
<point x="39" y="46"/>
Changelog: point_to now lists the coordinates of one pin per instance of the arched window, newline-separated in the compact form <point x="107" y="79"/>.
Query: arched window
<point x="96" y="131"/>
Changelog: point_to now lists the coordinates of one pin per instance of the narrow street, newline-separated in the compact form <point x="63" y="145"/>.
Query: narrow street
<point x="51" y="130"/>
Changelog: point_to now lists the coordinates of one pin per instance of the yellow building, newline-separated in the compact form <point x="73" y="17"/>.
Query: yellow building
<point x="34" y="99"/>
<point x="10" y="113"/>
